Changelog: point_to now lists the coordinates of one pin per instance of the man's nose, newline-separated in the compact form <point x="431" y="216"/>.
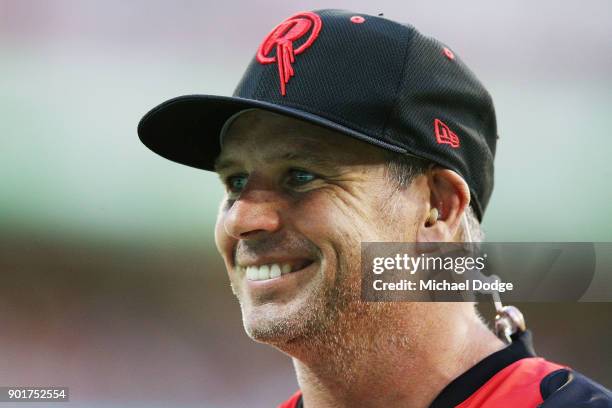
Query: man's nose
<point x="253" y="214"/>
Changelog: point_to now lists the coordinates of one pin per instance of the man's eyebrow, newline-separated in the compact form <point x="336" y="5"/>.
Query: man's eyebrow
<point x="302" y="154"/>
<point x="222" y="164"/>
<point x="305" y="156"/>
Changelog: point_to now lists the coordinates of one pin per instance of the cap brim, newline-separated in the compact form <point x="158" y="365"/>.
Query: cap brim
<point x="186" y="129"/>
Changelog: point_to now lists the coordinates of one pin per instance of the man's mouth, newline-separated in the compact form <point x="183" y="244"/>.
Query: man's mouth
<point x="273" y="270"/>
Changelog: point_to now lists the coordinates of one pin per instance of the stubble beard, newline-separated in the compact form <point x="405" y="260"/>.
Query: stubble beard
<point x="331" y="326"/>
<point x="314" y="316"/>
<point x="332" y="323"/>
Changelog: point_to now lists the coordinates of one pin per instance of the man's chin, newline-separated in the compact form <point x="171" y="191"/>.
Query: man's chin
<point x="268" y="334"/>
<point x="272" y="324"/>
<point x="276" y="324"/>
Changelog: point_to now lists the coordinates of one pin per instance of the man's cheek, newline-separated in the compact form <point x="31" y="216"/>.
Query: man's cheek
<point x="220" y="233"/>
<point x="323" y="207"/>
<point x="329" y="225"/>
<point x="223" y="242"/>
<point x="219" y="238"/>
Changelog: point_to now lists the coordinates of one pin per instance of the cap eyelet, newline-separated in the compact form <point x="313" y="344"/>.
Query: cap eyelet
<point x="357" y="19"/>
<point x="449" y="54"/>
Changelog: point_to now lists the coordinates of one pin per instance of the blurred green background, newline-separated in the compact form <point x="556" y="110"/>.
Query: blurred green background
<point x="110" y="283"/>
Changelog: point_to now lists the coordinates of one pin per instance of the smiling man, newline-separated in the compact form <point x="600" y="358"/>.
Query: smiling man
<point x="350" y="128"/>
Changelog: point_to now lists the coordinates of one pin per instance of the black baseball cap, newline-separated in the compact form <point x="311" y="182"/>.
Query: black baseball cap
<point x="364" y="76"/>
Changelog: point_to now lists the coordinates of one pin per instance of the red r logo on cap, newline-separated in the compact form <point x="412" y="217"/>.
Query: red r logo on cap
<point x="444" y="135"/>
<point x="282" y="37"/>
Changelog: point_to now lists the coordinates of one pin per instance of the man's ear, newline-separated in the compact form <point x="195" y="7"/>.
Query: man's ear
<point x="450" y="195"/>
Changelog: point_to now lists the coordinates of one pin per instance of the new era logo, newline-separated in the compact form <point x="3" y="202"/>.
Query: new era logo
<point x="444" y="135"/>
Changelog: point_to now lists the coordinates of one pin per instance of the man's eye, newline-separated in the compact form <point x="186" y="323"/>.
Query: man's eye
<point x="235" y="184"/>
<point x="300" y="177"/>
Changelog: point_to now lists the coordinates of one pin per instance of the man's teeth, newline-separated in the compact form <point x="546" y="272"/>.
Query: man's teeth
<point x="264" y="272"/>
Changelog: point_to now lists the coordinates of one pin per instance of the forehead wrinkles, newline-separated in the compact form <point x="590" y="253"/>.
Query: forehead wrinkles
<point x="269" y="135"/>
<point x="268" y="131"/>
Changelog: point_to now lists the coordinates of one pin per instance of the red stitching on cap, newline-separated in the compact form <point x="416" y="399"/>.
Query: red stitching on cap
<point x="444" y="135"/>
<point x="282" y="38"/>
<point x="357" y="19"/>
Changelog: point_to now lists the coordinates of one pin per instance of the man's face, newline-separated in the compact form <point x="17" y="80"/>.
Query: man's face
<point x="299" y="201"/>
